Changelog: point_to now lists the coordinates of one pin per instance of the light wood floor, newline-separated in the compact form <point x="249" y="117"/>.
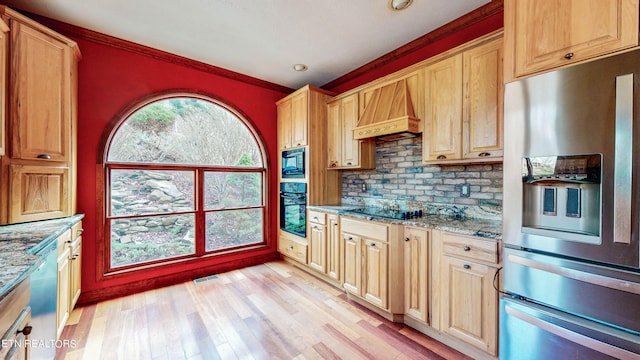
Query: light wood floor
<point x="270" y="311"/>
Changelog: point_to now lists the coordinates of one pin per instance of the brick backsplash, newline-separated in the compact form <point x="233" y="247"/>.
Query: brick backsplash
<point x="401" y="178"/>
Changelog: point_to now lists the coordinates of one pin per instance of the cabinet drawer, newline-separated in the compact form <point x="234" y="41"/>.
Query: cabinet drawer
<point x="317" y="217"/>
<point x="470" y="247"/>
<point x="13" y="305"/>
<point x="76" y="230"/>
<point x="367" y="229"/>
<point x="64" y="241"/>
<point x="293" y="249"/>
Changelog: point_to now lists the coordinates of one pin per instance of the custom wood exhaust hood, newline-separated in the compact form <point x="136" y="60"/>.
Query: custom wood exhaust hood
<point x="389" y="112"/>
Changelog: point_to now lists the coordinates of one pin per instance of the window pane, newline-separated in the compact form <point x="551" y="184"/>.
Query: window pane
<point x="138" y="192"/>
<point x="224" y="190"/>
<point x="185" y="131"/>
<point x="151" y="238"/>
<point x="225" y="229"/>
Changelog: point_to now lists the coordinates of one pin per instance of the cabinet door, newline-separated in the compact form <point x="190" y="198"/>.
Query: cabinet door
<point x="38" y="192"/>
<point x="318" y="247"/>
<point x="3" y="84"/>
<point x="14" y="346"/>
<point x="416" y="282"/>
<point x="334" y="136"/>
<point x="350" y="155"/>
<point x="552" y="33"/>
<point x="284" y="124"/>
<point x="334" y="251"/>
<point x="442" y="137"/>
<point x="299" y="119"/>
<point x="469" y="303"/>
<point x="75" y="272"/>
<point x="352" y="263"/>
<point x="375" y="279"/>
<point x="64" y="289"/>
<point x="482" y="105"/>
<point x="40" y="93"/>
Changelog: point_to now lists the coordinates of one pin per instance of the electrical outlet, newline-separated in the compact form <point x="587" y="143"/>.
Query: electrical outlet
<point x="465" y="190"/>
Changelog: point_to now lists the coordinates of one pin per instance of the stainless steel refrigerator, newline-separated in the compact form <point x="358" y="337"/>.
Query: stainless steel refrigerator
<point x="572" y="213"/>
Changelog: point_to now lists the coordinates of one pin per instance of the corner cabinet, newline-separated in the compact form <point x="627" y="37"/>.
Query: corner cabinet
<point x="468" y="303"/>
<point x="543" y="35"/>
<point x="38" y="175"/>
<point x="464" y="97"/>
<point x="345" y="152"/>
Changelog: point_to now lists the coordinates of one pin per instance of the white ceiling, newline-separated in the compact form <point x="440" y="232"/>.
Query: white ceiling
<point x="261" y="38"/>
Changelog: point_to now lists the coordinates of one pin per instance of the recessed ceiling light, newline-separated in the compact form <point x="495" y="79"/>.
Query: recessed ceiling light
<point x="300" y="67"/>
<point x="397" y="5"/>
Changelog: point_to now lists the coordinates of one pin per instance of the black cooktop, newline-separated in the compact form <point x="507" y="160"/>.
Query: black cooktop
<point x="387" y="213"/>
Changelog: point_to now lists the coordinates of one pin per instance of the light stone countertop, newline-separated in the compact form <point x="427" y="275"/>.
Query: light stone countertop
<point x="491" y="229"/>
<point x="24" y="246"/>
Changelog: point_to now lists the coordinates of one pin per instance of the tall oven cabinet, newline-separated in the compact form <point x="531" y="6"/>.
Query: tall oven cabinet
<point x="302" y="124"/>
<point x="38" y="171"/>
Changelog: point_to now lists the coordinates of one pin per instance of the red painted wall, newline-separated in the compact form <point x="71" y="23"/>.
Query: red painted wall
<point x="112" y="79"/>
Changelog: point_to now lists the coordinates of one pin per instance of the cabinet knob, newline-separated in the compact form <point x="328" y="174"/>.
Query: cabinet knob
<point x="350" y="238"/>
<point x="349" y="163"/>
<point x="407" y="238"/>
<point x="441" y="157"/>
<point x="333" y="164"/>
<point x="373" y="244"/>
<point x="484" y="154"/>
<point x="44" y="156"/>
<point x="466" y="248"/>
<point x="26" y="330"/>
<point x="568" y="56"/>
<point x="291" y="247"/>
<point x="467" y="266"/>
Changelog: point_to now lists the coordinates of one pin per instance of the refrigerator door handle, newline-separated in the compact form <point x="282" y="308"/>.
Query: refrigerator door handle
<point x="623" y="162"/>
<point x="572" y="336"/>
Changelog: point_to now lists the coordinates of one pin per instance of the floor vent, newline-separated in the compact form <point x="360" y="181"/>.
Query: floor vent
<point x="206" y="278"/>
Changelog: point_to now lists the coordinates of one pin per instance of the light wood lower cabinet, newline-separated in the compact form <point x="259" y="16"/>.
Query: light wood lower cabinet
<point x="468" y="302"/>
<point x="416" y="273"/>
<point x="325" y="252"/>
<point x="15" y="321"/>
<point x="334" y="250"/>
<point x="293" y="247"/>
<point x="373" y="263"/>
<point x="69" y="274"/>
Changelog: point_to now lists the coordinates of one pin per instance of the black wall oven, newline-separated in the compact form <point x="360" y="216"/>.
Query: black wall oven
<point x="293" y="162"/>
<point x="293" y="208"/>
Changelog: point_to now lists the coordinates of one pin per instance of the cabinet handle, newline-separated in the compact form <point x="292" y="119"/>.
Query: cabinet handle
<point x="484" y="154"/>
<point x="467" y="266"/>
<point x="373" y="244"/>
<point x="350" y="238"/>
<point x="349" y="163"/>
<point x="335" y="224"/>
<point x="333" y="164"/>
<point x="75" y="257"/>
<point x="68" y="242"/>
<point x="79" y="232"/>
<point x="441" y="157"/>
<point x="407" y="239"/>
<point x="315" y="218"/>
<point x="466" y="248"/>
<point x="44" y="156"/>
<point x="569" y="56"/>
<point x="26" y="330"/>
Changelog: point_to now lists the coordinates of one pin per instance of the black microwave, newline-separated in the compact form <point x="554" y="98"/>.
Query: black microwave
<point x="293" y="164"/>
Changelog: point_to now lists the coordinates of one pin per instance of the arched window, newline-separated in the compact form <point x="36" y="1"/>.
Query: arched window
<point x="185" y="177"/>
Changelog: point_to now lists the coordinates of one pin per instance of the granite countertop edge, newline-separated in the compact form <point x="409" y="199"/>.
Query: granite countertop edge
<point x="24" y="247"/>
<point x="490" y="229"/>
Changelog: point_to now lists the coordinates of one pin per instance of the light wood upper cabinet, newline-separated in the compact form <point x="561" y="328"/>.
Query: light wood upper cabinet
<point x="40" y="110"/>
<point x="482" y="123"/>
<point x="542" y="35"/>
<point x="37" y="177"/>
<point x="293" y="117"/>
<point x="442" y="136"/>
<point x="416" y="273"/>
<point x="343" y="151"/>
<point x="464" y="97"/>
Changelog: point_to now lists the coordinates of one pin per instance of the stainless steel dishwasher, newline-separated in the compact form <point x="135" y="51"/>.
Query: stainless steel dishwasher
<point x="44" y="283"/>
